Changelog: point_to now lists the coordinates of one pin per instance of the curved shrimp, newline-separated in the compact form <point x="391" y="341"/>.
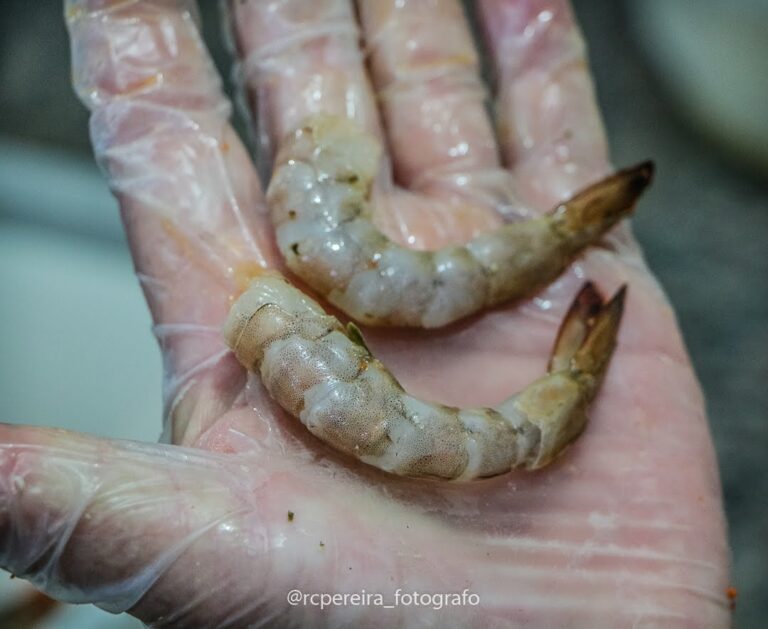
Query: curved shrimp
<point x="319" y="199"/>
<point x="322" y="373"/>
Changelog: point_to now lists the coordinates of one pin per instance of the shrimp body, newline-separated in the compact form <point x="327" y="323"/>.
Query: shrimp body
<point x="319" y="199"/>
<point x="322" y="373"/>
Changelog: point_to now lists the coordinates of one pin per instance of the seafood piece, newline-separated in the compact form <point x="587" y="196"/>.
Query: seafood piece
<point x="322" y="373"/>
<point x="319" y="199"/>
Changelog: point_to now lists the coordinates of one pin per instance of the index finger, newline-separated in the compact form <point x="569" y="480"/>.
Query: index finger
<point x="188" y="193"/>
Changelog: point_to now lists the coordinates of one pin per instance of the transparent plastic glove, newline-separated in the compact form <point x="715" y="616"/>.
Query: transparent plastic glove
<point x="626" y="529"/>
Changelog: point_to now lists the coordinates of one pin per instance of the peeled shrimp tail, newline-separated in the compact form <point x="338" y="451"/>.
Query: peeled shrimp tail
<point x="319" y="200"/>
<point x="322" y="373"/>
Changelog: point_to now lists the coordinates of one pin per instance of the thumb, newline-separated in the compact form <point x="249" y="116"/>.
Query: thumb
<point x="133" y="527"/>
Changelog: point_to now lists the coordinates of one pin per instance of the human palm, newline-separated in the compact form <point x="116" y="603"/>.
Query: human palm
<point x="624" y="529"/>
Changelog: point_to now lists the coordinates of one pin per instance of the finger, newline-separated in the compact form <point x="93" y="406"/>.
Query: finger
<point x="189" y="197"/>
<point x="426" y="72"/>
<point x="159" y="127"/>
<point x="128" y="526"/>
<point x="549" y="126"/>
<point x="299" y="58"/>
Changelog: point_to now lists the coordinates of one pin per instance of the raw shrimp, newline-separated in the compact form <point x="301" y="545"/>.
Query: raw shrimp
<point x="319" y="199"/>
<point x="322" y="373"/>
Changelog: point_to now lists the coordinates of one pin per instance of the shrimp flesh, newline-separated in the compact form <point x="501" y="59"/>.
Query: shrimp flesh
<point x="321" y="372"/>
<point x="319" y="200"/>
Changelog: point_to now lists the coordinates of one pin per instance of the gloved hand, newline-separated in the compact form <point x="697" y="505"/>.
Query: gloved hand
<point x="626" y="529"/>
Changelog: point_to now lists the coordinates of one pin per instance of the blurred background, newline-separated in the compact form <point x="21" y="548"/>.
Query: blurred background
<point x="682" y="81"/>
